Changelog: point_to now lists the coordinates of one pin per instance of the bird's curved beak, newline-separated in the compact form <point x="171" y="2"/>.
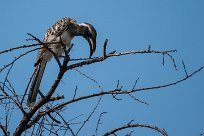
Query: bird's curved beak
<point x="92" y="44"/>
<point x="89" y="33"/>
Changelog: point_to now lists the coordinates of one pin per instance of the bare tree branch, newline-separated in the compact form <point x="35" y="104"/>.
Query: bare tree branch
<point x="100" y="59"/>
<point x="130" y="125"/>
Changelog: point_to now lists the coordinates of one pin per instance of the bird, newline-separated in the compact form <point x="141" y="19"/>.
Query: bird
<point x="62" y="31"/>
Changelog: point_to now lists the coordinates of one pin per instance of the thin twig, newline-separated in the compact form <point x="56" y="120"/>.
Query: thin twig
<point x="75" y="91"/>
<point x="136" y="81"/>
<point x="184" y="67"/>
<point x="88" y="77"/>
<point x="105" y="47"/>
<point x="17" y="58"/>
<point x="89" y="115"/>
<point x="13" y="91"/>
<point x="25" y="92"/>
<point x="19" y="47"/>
<point x="98" y="123"/>
<point x="136" y="99"/>
<point x="6" y="133"/>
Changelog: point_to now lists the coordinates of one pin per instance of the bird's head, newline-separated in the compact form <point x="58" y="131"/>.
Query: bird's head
<point x="87" y="31"/>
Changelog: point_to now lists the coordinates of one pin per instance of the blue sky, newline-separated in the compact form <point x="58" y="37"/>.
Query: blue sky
<point x="129" y="25"/>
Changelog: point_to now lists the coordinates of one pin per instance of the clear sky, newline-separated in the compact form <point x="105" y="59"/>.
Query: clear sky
<point x="129" y="25"/>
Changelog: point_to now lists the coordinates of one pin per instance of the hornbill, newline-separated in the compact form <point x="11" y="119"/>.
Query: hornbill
<point x="61" y="33"/>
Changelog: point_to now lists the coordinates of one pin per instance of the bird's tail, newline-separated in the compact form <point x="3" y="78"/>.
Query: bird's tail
<point x="36" y="83"/>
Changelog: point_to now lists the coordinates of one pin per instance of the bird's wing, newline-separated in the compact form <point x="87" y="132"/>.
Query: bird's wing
<point x="58" y="28"/>
<point x="52" y="33"/>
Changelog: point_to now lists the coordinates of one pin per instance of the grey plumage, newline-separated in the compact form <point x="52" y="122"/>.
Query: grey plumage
<point x="62" y="31"/>
<point x="39" y="70"/>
